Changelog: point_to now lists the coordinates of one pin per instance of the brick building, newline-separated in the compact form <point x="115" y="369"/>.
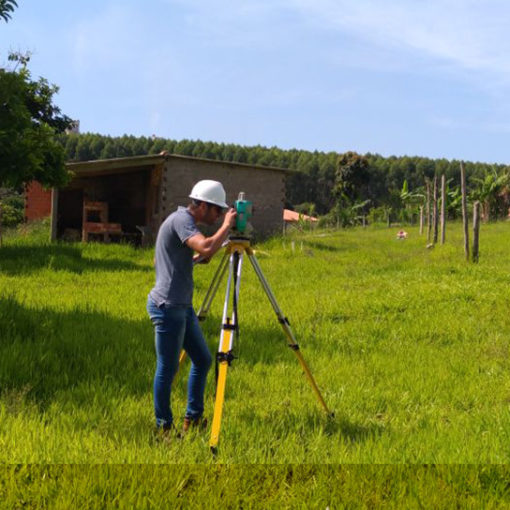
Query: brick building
<point x="128" y="198"/>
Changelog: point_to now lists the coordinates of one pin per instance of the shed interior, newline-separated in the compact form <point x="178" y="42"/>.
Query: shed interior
<point x="127" y="200"/>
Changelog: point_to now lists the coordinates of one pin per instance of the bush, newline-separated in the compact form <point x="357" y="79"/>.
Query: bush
<point x="13" y="210"/>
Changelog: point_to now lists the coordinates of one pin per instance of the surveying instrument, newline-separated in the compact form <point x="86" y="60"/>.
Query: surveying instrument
<point x="236" y="247"/>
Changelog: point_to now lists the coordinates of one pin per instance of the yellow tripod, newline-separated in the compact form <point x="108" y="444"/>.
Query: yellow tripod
<point x="233" y="260"/>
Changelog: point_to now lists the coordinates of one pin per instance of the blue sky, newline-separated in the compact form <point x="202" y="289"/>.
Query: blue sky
<point x="416" y="77"/>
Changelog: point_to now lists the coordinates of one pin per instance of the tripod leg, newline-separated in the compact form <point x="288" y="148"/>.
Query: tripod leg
<point x="220" y="388"/>
<point x="224" y="355"/>
<point x="287" y="330"/>
<point x="209" y="296"/>
<point x="213" y="287"/>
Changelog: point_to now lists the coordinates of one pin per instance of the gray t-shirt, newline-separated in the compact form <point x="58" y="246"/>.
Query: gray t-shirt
<point x="174" y="260"/>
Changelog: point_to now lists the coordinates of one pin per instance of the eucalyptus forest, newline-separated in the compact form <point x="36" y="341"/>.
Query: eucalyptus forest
<point x="340" y="187"/>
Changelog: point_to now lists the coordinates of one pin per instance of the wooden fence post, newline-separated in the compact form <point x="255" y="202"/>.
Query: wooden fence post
<point x="429" y="225"/>
<point x="435" y="210"/>
<point x="465" y="220"/>
<point x="421" y="220"/>
<point x="443" y="208"/>
<point x="476" y="230"/>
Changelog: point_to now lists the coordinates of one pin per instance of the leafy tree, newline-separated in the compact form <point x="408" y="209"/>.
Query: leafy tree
<point x="6" y="7"/>
<point x="29" y="123"/>
<point x="13" y="206"/>
<point x="157" y="146"/>
<point x="453" y="200"/>
<point x="411" y="200"/>
<point x="491" y="192"/>
<point x="307" y="208"/>
<point x="109" y="150"/>
<point x="352" y="175"/>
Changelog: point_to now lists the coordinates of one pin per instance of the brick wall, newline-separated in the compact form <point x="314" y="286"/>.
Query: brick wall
<point x="265" y="188"/>
<point x="37" y="202"/>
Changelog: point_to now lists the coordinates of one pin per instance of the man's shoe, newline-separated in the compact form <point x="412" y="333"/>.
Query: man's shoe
<point x="199" y="423"/>
<point x="167" y="433"/>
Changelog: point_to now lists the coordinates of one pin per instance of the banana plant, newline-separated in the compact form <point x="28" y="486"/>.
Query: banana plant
<point x="489" y="191"/>
<point x="453" y="199"/>
<point x="411" y="200"/>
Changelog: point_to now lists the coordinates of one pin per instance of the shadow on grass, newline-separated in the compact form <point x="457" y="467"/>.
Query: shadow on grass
<point x="25" y="259"/>
<point x="352" y="432"/>
<point x="313" y="422"/>
<point x="341" y="425"/>
<point x="322" y="246"/>
<point x="70" y="356"/>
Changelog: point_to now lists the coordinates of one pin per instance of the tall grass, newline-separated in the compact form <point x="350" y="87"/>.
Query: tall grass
<point x="256" y="486"/>
<point x="409" y="346"/>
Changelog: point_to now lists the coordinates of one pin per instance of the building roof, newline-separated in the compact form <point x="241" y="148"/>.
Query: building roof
<point x="120" y="165"/>
<point x="293" y="216"/>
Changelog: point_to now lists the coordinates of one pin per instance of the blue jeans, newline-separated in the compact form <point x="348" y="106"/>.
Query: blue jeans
<point x="176" y="328"/>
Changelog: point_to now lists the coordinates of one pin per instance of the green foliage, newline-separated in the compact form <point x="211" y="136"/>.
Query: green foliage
<point x="493" y="192"/>
<point x="352" y="176"/>
<point x="410" y="202"/>
<point x="453" y="201"/>
<point x="29" y="122"/>
<point x="13" y="209"/>
<point x="6" y="8"/>
<point x="307" y="208"/>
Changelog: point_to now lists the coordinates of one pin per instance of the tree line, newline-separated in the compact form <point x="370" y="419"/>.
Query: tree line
<point x="343" y="185"/>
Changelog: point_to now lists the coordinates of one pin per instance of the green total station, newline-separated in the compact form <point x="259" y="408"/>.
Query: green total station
<point x="244" y="211"/>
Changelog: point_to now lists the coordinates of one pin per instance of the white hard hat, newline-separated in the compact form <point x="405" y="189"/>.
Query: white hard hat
<point x="209" y="191"/>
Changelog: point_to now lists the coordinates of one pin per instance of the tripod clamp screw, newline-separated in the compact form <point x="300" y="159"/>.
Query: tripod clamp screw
<point x="222" y="357"/>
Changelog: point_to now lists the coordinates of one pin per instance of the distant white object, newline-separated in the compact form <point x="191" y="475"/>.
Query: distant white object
<point x="402" y="234"/>
<point x="74" y="127"/>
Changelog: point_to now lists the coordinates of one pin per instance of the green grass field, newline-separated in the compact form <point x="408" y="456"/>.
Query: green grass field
<point x="409" y="346"/>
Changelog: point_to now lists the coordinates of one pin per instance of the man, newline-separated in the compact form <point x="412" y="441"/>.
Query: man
<point x="169" y="303"/>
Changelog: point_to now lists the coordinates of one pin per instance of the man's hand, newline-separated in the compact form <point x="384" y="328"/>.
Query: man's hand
<point x="200" y="259"/>
<point x="208" y="246"/>
<point x="230" y="218"/>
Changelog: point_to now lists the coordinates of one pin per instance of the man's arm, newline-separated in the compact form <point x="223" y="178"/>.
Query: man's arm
<point x="208" y="246"/>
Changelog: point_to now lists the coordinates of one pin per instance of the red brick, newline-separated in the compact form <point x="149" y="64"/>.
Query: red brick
<point x="37" y="201"/>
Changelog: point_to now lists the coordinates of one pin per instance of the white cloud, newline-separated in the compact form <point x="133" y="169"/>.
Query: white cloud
<point x="470" y="34"/>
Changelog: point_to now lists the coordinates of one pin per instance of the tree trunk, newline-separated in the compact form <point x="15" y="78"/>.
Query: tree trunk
<point x="476" y="230"/>
<point x="465" y="220"/>
<point x="421" y="220"/>
<point x="54" y="214"/>
<point x="486" y="211"/>
<point x="443" y="208"/>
